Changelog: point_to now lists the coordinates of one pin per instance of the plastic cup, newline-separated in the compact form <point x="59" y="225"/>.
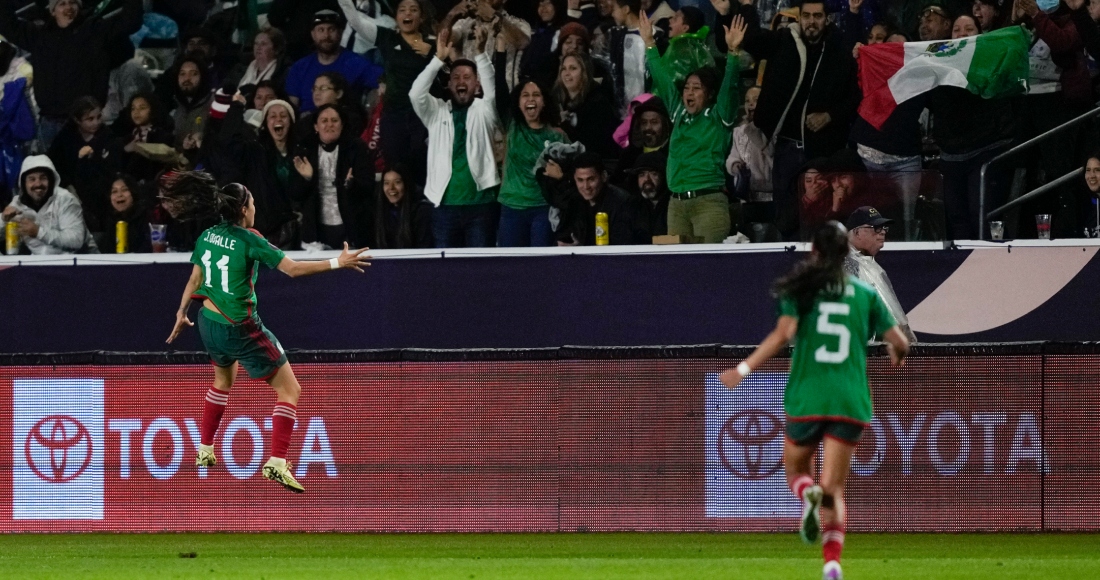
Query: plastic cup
<point x="997" y="230"/>
<point x="1042" y="225"/>
<point x="158" y="236"/>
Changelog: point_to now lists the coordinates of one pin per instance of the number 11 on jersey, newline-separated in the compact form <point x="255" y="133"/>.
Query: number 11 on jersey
<point x="223" y="268"/>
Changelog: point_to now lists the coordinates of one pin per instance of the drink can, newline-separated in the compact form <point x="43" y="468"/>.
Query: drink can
<point x="122" y="238"/>
<point x="603" y="236"/>
<point x="11" y="238"/>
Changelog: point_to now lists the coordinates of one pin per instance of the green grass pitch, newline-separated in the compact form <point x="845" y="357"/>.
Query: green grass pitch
<point x="544" y="556"/>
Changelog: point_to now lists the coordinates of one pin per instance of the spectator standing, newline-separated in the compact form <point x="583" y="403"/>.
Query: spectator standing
<point x="84" y="161"/>
<point x="866" y="235"/>
<point x="627" y="51"/>
<point x="553" y="14"/>
<point x="144" y="120"/>
<point x="752" y="153"/>
<point x="705" y="111"/>
<point x="808" y="99"/>
<point x="402" y="218"/>
<point x="489" y="15"/>
<point x="359" y="43"/>
<point x="295" y="19"/>
<point x="328" y="55"/>
<point x="991" y="14"/>
<point x="463" y="182"/>
<point x="587" y="114"/>
<point x="334" y="181"/>
<point x="71" y="55"/>
<point x="573" y="39"/>
<point x="50" y="218"/>
<point x="936" y="21"/>
<point x="529" y="118"/>
<point x="589" y="195"/>
<point x="406" y="52"/>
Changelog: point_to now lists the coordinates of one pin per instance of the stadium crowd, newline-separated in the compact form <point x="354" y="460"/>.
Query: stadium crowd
<point x="436" y="123"/>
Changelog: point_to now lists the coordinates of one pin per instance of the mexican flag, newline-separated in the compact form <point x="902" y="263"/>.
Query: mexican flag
<point x="990" y="65"/>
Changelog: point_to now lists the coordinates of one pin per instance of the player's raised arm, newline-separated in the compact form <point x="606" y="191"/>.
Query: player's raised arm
<point x="897" y="345"/>
<point x="776" y="341"/>
<point x="181" y="314"/>
<point x="352" y="260"/>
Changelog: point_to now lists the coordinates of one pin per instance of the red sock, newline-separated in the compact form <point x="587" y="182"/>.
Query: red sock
<point x="800" y="484"/>
<point x="832" y="542"/>
<point x="212" y="414"/>
<point x="282" y="427"/>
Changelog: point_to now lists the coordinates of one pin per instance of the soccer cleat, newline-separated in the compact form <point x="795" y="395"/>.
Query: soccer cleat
<point x="281" y="474"/>
<point x="832" y="571"/>
<point x="206" y="457"/>
<point x="811" y="518"/>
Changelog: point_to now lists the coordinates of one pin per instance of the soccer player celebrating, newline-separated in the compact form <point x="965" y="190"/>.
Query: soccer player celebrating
<point x="830" y="316"/>
<point x="224" y="278"/>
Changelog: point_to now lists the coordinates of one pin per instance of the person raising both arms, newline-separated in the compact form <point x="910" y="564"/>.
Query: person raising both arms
<point x="224" y="275"/>
<point x="830" y="316"/>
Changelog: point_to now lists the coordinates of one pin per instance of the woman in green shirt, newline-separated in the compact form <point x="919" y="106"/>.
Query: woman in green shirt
<point x="528" y="116"/>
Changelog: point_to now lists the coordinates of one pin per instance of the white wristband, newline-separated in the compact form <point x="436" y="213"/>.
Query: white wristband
<point x="743" y="369"/>
<point x="334" y="264"/>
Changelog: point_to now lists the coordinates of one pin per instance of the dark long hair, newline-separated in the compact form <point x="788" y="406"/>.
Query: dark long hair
<point x="823" y="271"/>
<point x="406" y="210"/>
<point x="194" y="195"/>
<point x="549" y="106"/>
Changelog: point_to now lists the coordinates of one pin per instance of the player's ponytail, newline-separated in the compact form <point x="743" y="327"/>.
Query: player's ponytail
<point x="194" y="195"/>
<point x="822" y="271"/>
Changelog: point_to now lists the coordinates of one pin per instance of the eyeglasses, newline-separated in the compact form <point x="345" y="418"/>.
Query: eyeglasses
<point x="323" y="89"/>
<point x="878" y="229"/>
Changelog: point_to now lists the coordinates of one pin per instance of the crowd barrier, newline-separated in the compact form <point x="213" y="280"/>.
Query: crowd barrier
<point x="965" y="438"/>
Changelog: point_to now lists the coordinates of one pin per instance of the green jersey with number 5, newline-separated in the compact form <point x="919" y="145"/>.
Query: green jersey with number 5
<point x="828" y="378"/>
<point x="228" y="255"/>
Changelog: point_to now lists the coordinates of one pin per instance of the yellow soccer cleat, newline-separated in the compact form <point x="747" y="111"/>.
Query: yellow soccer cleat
<point x="279" y="471"/>
<point x="206" y="457"/>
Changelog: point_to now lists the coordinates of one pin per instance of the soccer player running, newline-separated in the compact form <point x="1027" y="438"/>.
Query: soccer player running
<point x="223" y="278"/>
<point x="830" y="316"/>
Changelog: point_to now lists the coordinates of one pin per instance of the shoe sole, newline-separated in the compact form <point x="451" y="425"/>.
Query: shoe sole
<point x="811" y="525"/>
<point x="273" y="475"/>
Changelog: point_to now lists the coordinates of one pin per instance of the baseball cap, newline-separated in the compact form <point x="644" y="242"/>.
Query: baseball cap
<point x="866" y="216"/>
<point x="327" y="16"/>
<point x="654" y="160"/>
<point x="936" y="6"/>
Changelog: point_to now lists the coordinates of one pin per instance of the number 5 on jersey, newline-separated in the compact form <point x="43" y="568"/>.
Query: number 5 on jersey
<point x="828" y="328"/>
<point x="223" y="268"/>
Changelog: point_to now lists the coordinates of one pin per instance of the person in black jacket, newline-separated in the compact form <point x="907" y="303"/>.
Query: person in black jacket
<point x="334" y="182"/>
<point x="588" y="115"/>
<point x="82" y="153"/>
<point x="808" y="100"/>
<point x="591" y="194"/>
<point x="72" y="55"/>
<point x="263" y="162"/>
<point x="128" y="204"/>
<point x="295" y="19"/>
<point x="402" y="217"/>
<point x="144" y="120"/>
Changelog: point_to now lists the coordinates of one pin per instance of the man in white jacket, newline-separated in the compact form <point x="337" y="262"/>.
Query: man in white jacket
<point x="462" y="172"/>
<point x="50" y="218"/>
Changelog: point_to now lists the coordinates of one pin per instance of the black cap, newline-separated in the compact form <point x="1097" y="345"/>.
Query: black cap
<point x="327" y="16"/>
<point x="654" y="160"/>
<point x="693" y="17"/>
<point x="866" y="216"/>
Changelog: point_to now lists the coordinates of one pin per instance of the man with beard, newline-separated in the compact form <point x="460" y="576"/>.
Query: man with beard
<point x="50" y="218"/>
<point x="328" y="55"/>
<point x="650" y="128"/>
<point x="808" y="99"/>
<point x="72" y="54"/>
<point x="193" y="98"/>
<point x="649" y="178"/>
<point x="463" y="179"/>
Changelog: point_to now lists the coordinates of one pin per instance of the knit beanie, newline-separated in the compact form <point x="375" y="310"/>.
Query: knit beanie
<point x="279" y="103"/>
<point x="53" y="4"/>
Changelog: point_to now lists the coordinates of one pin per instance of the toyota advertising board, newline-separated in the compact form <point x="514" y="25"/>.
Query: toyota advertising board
<point x="958" y="443"/>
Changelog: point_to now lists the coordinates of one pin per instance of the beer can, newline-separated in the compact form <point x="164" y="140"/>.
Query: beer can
<point x="122" y="238"/>
<point x="603" y="237"/>
<point x="11" y="237"/>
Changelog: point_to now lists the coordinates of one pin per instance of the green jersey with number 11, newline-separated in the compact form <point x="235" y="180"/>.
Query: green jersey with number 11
<point x="828" y="378"/>
<point x="227" y="255"/>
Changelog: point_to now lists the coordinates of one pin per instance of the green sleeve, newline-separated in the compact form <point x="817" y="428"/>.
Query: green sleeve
<point x="787" y="307"/>
<point x="663" y="86"/>
<point x="729" y="97"/>
<point x="262" y="251"/>
<point x="881" y="318"/>
<point x="196" y="254"/>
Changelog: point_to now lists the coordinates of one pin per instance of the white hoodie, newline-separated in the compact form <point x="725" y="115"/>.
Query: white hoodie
<point x="61" y="228"/>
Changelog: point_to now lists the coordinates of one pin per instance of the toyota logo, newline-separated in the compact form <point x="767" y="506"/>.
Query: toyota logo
<point x="58" y="448"/>
<point x="744" y="441"/>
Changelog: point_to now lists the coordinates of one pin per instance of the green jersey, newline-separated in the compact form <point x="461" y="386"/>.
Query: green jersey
<point x="829" y="368"/>
<point x="227" y="255"/>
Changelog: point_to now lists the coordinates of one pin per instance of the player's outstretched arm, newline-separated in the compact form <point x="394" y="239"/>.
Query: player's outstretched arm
<point x="775" y="342"/>
<point x="356" y="260"/>
<point x="897" y="345"/>
<point x="181" y="314"/>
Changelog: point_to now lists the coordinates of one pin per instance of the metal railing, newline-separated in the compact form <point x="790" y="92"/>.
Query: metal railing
<point x="1041" y="190"/>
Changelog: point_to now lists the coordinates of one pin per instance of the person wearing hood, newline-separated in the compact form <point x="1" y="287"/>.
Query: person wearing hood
<point x="649" y="132"/>
<point x="50" y="219"/>
<point x="192" y="98"/>
<point x="71" y="54"/>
